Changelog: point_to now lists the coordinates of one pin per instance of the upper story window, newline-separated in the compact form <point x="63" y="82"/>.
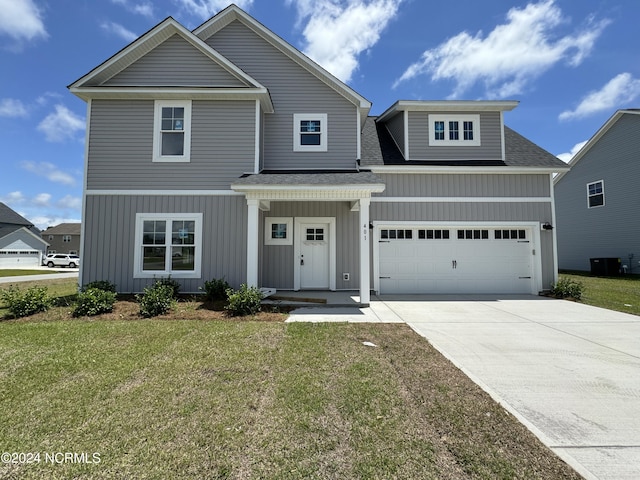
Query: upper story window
<point x="66" y="238"/>
<point x="172" y="131"/>
<point x="459" y="130"/>
<point x="595" y="194"/>
<point x="310" y="132"/>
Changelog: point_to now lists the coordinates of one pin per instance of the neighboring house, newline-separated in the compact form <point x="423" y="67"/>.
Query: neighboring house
<point x="63" y="238"/>
<point x="20" y="242"/>
<point x="598" y="199"/>
<point x="225" y="152"/>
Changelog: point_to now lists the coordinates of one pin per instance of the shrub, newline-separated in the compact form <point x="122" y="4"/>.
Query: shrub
<point x="156" y="299"/>
<point x="216" y="289"/>
<point x="104" y="285"/>
<point x="174" y="285"/>
<point x="245" y="301"/>
<point x="567" y="288"/>
<point x="22" y="303"/>
<point x="94" y="301"/>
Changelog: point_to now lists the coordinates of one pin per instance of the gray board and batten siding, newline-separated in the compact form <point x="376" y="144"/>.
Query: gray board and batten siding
<point x="110" y="236"/>
<point x="175" y="62"/>
<point x="293" y="90"/>
<point x="613" y="230"/>
<point x="121" y="146"/>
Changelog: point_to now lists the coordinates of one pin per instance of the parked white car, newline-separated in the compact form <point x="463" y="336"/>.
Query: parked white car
<point x="61" y="260"/>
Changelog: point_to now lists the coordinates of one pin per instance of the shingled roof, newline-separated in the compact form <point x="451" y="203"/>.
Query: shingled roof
<point x="379" y="148"/>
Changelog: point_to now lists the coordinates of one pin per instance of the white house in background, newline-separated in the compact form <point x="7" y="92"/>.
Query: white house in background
<point x="20" y="242"/>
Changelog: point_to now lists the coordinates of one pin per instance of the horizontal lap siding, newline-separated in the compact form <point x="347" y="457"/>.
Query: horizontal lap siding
<point x="175" y="63"/>
<point x="611" y="230"/>
<point x="465" y="185"/>
<point x="121" y="147"/>
<point x="110" y="236"/>
<point x="490" y="138"/>
<point x="293" y="90"/>
<point x="277" y="260"/>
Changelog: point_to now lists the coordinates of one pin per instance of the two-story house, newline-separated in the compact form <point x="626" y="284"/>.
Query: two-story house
<point x="63" y="238"/>
<point x="226" y="152"/>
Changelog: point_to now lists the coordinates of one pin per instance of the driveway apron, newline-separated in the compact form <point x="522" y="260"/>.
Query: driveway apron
<point x="569" y="372"/>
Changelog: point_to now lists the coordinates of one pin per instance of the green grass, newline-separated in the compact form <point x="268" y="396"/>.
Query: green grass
<point x="176" y="399"/>
<point x="17" y="273"/>
<point x="614" y="293"/>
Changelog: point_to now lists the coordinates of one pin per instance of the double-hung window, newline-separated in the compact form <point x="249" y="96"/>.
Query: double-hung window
<point x="168" y="244"/>
<point x="172" y="131"/>
<point x="310" y="132"/>
<point x="454" y="130"/>
<point x="595" y="194"/>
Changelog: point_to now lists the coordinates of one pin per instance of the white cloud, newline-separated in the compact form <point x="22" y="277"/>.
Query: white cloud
<point x="338" y="31"/>
<point x="119" y="30"/>
<point x="205" y="9"/>
<point x="50" y="172"/>
<point x="142" y="8"/>
<point x="70" y="202"/>
<point x="42" y="199"/>
<point x="21" y="20"/>
<point x="61" y="125"/>
<point x="566" y="157"/>
<point x="621" y="89"/>
<point x="45" y="221"/>
<point x="511" y="55"/>
<point x="13" y="198"/>
<point x="10" y="107"/>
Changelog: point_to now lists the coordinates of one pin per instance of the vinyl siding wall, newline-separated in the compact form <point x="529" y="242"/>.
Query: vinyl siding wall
<point x="110" y="237"/>
<point x="490" y="137"/>
<point x="175" y="62"/>
<point x="277" y="260"/>
<point x="612" y="230"/>
<point x="293" y="90"/>
<point x="121" y="146"/>
<point x="468" y="185"/>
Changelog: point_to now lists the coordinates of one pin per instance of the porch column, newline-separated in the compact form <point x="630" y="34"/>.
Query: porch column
<point x="252" y="242"/>
<point x="364" y="251"/>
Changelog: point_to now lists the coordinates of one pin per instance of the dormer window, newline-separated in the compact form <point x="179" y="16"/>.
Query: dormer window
<point x="310" y="132"/>
<point x="458" y="130"/>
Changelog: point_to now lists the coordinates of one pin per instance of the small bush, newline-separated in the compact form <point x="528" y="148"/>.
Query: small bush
<point x="216" y="289"/>
<point x="22" y="303"/>
<point x="104" y="285"/>
<point x="245" y="301"/>
<point x="156" y="300"/>
<point x="567" y="288"/>
<point x="174" y="285"/>
<point x="94" y="301"/>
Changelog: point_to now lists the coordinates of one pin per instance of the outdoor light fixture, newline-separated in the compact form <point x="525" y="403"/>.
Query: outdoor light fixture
<point x="546" y="226"/>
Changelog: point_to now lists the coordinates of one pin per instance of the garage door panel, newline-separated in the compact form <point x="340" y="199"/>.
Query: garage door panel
<point x="475" y="259"/>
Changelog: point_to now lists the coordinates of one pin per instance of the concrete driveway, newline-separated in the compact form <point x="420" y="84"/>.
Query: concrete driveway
<point x="569" y="372"/>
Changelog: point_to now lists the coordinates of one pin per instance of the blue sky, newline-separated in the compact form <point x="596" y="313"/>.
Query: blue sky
<point x="571" y="64"/>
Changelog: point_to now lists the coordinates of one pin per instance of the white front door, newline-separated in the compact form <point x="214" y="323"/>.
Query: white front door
<point x="315" y="253"/>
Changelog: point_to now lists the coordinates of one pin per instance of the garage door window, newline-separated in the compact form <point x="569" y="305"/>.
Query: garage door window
<point x="510" y="234"/>
<point x="394" y="234"/>
<point x="433" y="234"/>
<point x="473" y="234"/>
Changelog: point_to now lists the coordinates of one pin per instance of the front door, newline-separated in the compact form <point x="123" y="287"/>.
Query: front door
<point x="314" y="255"/>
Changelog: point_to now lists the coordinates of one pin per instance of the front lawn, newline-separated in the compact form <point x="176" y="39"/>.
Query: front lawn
<point x="9" y="272"/>
<point x="614" y="293"/>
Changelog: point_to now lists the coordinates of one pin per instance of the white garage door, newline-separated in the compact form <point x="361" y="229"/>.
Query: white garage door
<point x="19" y="258"/>
<point x="441" y="260"/>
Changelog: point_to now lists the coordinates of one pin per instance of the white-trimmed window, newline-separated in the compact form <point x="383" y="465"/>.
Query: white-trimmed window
<point x="595" y="194"/>
<point x="66" y="238"/>
<point x="278" y="231"/>
<point x="168" y="244"/>
<point x="310" y="132"/>
<point x="172" y="131"/>
<point x="459" y="130"/>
